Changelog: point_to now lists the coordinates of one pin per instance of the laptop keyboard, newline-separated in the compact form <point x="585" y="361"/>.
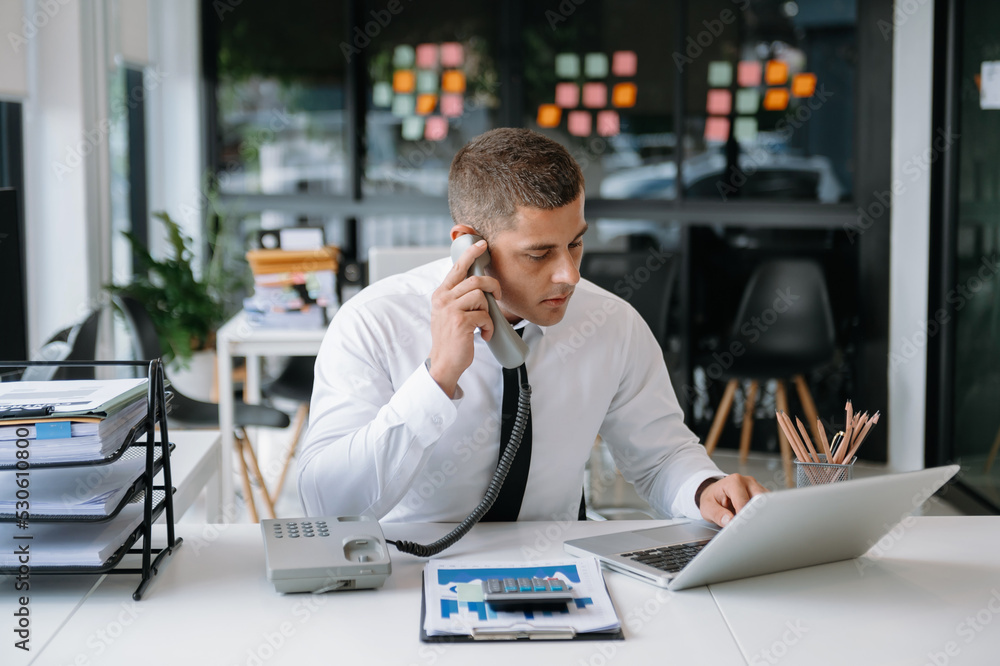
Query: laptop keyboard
<point x="667" y="558"/>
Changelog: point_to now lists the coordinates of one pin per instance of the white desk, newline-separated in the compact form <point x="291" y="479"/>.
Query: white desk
<point x="238" y="337"/>
<point x="214" y="604"/>
<point x="196" y="463"/>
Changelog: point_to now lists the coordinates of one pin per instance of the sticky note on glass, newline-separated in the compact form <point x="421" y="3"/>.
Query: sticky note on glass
<point x="426" y="103"/>
<point x="719" y="102"/>
<point x="549" y="115"/>
<point x="567" y="65"/>
<point x="427" y="56"/>
<point x="748" y="73"/>
<point x="53" y="430"/>
<point x="452" y="104"/>
<point x="427" y="81"/>
<point x="624" y="63"/>
<point x="716" y="129"/>
<point x="595" y="65"/>
<point x="452" y="54"/>
<point x="436" y="128"/>
<point x="579" y="123"/>
<point x="745" y="130"/>
<point x="413" y="128"/>
<point x="382" y="94"/>
<point x="403" y="105"/>
<point x="776" y="99"/>
<point x="989" y="85"/>
<point x="720" y="74"/>
<point x="403" y="56"/>
<point x="403" y="81"/>
<point x="568" y="95"/>
<point x="776" y="73"/>
<point x="453" y="81"/>
<point x="595" y="95"/>
<point x="623" y="95"/>
<point x="804" y="85"/>
<point x="747" y="101"/>
<point x="608" y="123"/>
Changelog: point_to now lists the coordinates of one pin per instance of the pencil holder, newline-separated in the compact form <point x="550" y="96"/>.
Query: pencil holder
<point x="813" y="474"/>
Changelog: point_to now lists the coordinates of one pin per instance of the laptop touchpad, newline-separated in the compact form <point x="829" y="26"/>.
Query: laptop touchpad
<point x="671" y="534"/>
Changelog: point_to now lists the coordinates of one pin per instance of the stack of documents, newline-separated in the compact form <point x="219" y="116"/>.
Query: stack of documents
<point x="69" y="544"/>
<point x="292" y="288"/>
<point x="454" y="604"/>
<point x="68" y="421"/>
<point x="92" y="491"/>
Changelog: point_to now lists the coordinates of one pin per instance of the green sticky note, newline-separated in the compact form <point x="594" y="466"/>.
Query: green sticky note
<point x="469" y="591"/>
<point x="403" y="56"/>
<point x="567" y="65"/>
<point x="413" y="128"/>
<point x="427" y="81"/>
<point x="595" y="65"/>
<point x="382" y="94"/>
<point x="745" y="130"/>
<point x="747" y="100"/>
<point x="403" y="105"/>
<point x="720" y="74"/>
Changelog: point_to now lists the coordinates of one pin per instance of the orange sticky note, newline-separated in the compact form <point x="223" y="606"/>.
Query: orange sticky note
<point x="549" y="115"/>
<point x="426" y="103"/>
<point x="776" y="73"/>
<point x="803" y="85"/>
<point x="623" y="95"/>
<point x="453" y="81"/>
<point x="776" y="99"/>
<point x="404" y="81"/>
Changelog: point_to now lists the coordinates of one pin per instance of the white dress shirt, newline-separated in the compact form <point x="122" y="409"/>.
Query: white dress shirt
<point x="386" y="441"/>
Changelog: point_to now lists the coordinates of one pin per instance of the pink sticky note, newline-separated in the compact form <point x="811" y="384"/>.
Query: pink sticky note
<point x="719" y="102"/>
<point x="595" y="95"/>
<point x="451" y="104"/>
<point x="716" y="129"/>
<point x="427" y="56"/>
<point x="608" y="123"/>
<point x="624" y="63"/>
<point x="748" y="73"/>
<point x="578" y="123"/>
<point x="452" y="54"/>
<point x="567" y="95"/>
<point x="436" y="128"/>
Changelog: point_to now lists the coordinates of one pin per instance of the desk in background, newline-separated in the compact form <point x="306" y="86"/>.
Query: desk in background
<point x="214" y="605"/>
<point x="238" y="337"/>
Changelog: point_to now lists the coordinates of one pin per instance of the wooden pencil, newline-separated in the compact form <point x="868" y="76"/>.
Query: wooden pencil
<point x="823" y="441"/>
<point x="805" y="438"/>
<point x="793" y="440"/>
<point x="861" y="438"/>
<point x="850" y="422"/>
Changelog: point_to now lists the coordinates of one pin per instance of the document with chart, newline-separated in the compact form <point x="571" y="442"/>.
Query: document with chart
<point x="559" y="599"/>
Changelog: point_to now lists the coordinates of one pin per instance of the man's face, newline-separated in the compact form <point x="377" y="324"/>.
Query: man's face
<point x="537" y="262"/>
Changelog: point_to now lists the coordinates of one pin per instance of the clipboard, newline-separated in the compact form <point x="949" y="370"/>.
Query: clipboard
<point x="513" y="635"/>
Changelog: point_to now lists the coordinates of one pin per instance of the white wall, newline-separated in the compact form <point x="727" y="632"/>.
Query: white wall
<point x="910" y="231"/>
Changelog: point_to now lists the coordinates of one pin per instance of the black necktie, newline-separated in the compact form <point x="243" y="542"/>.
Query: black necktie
<point x="508" y="503"/>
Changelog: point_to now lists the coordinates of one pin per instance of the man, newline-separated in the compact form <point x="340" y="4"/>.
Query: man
<point x="406" y="410"/>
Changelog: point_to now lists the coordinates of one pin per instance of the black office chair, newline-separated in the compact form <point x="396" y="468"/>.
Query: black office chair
<point x="206" y="414"/>
<point x="295" y="382"/>
<point x="799" y="338"/>
<point x="74" y="343"/>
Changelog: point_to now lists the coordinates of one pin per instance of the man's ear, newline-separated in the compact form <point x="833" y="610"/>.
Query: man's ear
<point x="462" y="230"/>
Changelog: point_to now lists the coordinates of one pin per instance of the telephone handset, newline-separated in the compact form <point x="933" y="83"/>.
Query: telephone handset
<point x="506" y="345"/>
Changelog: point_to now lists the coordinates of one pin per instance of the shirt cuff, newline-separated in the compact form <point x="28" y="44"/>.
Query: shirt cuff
<point x="424" y="407"/>
<point x="684" y="502"/>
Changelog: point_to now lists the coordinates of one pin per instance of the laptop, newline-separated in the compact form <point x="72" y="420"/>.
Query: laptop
<point x="777" y="531"/>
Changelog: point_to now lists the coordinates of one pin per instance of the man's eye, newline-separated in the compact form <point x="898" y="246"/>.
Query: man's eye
<point x="538" y="257"/>
<point x="576" y="244"/>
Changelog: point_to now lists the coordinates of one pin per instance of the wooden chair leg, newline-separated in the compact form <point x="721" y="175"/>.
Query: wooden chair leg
<point x="993" y="453"/>
<point x="240" y="445"/>
<point x="746" y="434"/>
<point x="268" y="504"/>
<point x="781" y="400"/>
<point x="301" y="416"/>
<point x="720" y="417"/>
<point x="808" y="406"/>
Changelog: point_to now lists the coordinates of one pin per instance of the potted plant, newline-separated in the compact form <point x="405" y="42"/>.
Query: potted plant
<point x="187" y="309"/>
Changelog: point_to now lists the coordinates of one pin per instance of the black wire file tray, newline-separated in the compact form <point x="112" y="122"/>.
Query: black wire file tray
<point x="155" y="499"/>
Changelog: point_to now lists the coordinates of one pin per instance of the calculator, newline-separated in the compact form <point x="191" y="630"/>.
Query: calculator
<point x="520" y="593"/>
